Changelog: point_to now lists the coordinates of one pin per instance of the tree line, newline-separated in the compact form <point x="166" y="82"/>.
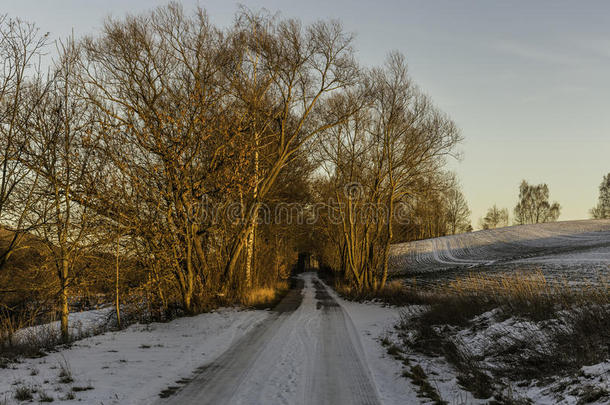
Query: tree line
<point x="138" y="162"/>
<point x="149" y="162"/>
<point x="534" y="207"/>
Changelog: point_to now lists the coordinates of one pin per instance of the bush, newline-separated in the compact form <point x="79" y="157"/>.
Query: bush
<point x="44" y="397"/>
<point x="24" y="393"/>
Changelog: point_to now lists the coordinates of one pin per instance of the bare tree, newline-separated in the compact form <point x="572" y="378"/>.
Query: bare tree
<point x="602" y="209"/>
<point x="534" y="206"/>
<point x="382" y="154"/>
<point x="60" y="148"/>
<point x="495" y="218"/>
<point x="458" y="213"/>
<point x="144" y="140"/>
<point x="180" y="134"/>
<point x="297" y="71"/>
<point x="21" y="45"/>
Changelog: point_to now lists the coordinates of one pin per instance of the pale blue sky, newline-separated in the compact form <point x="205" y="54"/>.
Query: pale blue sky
<point x="528" y="82"/>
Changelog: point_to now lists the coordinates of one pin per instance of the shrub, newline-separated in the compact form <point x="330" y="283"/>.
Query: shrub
<point x="44" y="397"/>
<point x="65" y="372"/>
<point x="24" y="393"/>
<point x="531" y="329"/>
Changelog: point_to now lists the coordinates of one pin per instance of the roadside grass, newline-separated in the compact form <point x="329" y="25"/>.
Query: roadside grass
<point x="395" y="292"/>
<point x="414" y="372"/>
<point x="527" y="294"/>
<point x="65" y="372"/>
<point x="498" y="331"/>
<point x="43" y="396"/>
<point x="265" y="297"/>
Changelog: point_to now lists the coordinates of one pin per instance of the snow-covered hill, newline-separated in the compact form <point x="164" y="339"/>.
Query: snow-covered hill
<point x="559" y="243"/>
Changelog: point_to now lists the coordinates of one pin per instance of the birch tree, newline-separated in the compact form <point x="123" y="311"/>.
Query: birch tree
<point x="533" y="206"/>
<point x="458" y="213"/>
<point x="602" y="209"/>
<point x="495" y="218"/>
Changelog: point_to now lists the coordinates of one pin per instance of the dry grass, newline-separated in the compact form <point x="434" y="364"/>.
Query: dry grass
<point x="395" y="292"/>
<point x="264" y="297"/>
<point x="521" y="287"/>
<point x="526" y="294"/>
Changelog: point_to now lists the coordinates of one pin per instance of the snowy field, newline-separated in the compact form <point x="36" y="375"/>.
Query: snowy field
<point x="80" y="324"/>
<point x="578" y="251"/>
<point x="496" y="342"/>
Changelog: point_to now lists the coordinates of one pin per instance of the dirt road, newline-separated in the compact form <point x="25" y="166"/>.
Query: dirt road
<point x="308" y="352"/>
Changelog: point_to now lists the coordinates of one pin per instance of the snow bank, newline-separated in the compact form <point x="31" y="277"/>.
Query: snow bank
<point x="131" y="366"/>
<point x="80" y="324"/>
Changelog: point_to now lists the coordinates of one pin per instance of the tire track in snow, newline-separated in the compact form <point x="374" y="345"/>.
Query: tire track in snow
<point x="305" y="355"/>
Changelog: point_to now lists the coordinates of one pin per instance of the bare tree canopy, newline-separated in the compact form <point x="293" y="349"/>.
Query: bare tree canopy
<point x="145" y="165"/>
<point x="21" y="45"/>
<point x="458" y="213"/>
<point x="495" y="218"/>
<point x="602" y="209"/>
<point x="534" y="206"/>
<point x="375" y="162"/>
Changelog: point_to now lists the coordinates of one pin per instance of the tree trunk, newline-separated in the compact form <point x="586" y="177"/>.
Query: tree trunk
<point x="65" y="335"/>
<point x="249" y="255"/>
<point x="117" y="306"/>
<point x="190" y="279"/>
<point x="386" y="250"/>
<point x="250" y="242"/>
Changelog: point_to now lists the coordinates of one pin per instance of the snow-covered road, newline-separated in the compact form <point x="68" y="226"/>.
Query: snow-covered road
<point x="314" y="348"/>
<point x="308" y="352"/>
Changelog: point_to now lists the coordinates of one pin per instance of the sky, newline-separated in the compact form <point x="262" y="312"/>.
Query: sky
<point x="527" y="82"/>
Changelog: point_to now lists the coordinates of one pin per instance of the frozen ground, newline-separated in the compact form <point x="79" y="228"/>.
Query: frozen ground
<point x="575" y="250"/>
<point x="313" y="353"/>
<point x="376" y="322"/>
<point x="494" y="346"/>
<point x="314" y="349"/>
<point x="131" y="366"/>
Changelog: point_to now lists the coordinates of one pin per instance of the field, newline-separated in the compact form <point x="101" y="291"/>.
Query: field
<point x="572" y="251"/>
<point x="516" y="315"/>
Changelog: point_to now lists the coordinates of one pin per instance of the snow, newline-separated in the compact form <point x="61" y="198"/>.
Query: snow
<point x="134" y="365"/>
<point x="567" y="241"/>
<point x="374" y="322"/>
<point x="80" y="324"/>
<point x="325" y="347"/>
<point x="495" y="344"/>
<point x="312" y="355"/>
<point x="288" y="363"/>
